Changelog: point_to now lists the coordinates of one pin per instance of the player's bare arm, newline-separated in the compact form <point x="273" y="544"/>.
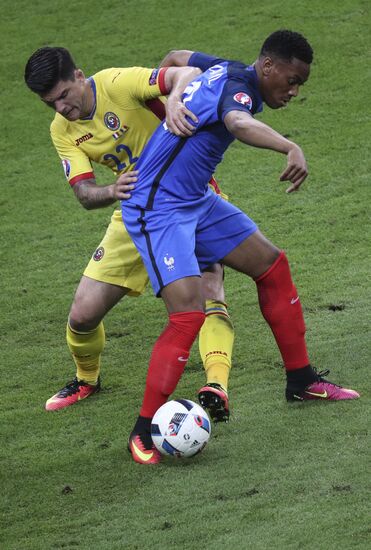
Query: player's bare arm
<point x="253" y="132"/>
<point x="176" y="58"/>
<point x="92" y="196"/>
<point x="176" y="80"/>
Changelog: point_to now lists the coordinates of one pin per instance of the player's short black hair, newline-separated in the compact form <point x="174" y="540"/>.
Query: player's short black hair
<point x="287" y="45"/>
<point x="46" y="67"/>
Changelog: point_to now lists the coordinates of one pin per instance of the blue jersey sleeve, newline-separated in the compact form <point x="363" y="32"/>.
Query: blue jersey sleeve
<point x="203" y="61"/>
<point x="239" y="96"/>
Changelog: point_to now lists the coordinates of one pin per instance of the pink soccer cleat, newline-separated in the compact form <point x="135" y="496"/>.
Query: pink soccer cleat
<point x="72" y="393"/>
<point x="321" y="389"/>
<point x="140" y="452"/>
<point x="214" y="399"/>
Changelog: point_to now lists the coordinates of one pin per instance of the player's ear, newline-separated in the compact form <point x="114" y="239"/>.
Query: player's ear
<point x="79" y="75"/>
<point x="267" y="65"/>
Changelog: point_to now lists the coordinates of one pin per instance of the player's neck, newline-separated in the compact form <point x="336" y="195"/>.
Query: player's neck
<point x="259" y="73"/>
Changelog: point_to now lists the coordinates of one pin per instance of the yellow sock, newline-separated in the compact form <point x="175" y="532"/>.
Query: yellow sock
<point x="216" y="343"/>
<point x="86" y="349"/>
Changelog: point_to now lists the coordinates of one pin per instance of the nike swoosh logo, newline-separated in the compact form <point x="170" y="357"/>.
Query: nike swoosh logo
<point x="142" y="455"/>
<point x="323" y="395"/>
<point x="294" y="300"/>
<point x="182" y="359"/>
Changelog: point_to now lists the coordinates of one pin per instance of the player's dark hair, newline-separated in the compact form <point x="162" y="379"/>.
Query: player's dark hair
<point x="46" y="67"/>
<point x="287" y="45"/>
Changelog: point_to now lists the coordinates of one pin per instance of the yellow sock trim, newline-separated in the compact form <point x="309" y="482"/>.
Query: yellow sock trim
<point x="216" y="343"/>
<point x="86" y="349"/>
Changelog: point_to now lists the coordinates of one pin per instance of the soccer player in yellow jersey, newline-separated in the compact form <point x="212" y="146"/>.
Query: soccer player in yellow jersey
<point x="107" y="119"/>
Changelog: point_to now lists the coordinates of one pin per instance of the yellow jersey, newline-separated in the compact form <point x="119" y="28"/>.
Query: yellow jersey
<point x="118" y="127"/>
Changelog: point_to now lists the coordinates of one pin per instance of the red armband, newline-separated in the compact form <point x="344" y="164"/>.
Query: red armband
<point x="161" y="80"/>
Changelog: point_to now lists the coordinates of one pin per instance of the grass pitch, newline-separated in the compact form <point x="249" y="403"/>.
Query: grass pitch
<point x="276" y="476"/>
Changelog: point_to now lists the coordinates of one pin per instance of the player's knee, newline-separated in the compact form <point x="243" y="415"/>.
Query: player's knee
<point x="269" y="256"/>
<point x="183" y="295"/>
<point x="212" y="283"/>
<point x="82" y="318"/>
<point x="272" y="255"/>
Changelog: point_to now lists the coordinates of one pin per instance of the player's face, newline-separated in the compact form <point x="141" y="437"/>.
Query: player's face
<point x="69" y="98"/>
<point x="281" y="80"/>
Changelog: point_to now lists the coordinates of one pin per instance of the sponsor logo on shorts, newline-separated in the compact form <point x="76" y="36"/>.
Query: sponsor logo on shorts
<point x="244" y="99"/>
<point x="66" y="167"/>
<point x="98" y="254"/>
<point x="112" y="121"/>
<point x="83" y="138"/>
<point x="169" y="261"/>
<point x="153" y="78"/>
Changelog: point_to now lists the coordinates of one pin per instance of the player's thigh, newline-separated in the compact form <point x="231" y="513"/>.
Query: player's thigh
<point x="253" y="256"/>
<point x="116" y="261"/>
<point x="221" y="228"/>
<point x="212" y="282"/>
<point x="92" y="300"/>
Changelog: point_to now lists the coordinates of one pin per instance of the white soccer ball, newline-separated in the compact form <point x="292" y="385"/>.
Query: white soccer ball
<point x="180" y="428"/>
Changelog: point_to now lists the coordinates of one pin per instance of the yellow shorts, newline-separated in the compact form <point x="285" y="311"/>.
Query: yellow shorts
<point x="116" y="260"/>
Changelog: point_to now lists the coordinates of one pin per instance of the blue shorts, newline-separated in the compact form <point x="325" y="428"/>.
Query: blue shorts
<point x="184" y="240"/>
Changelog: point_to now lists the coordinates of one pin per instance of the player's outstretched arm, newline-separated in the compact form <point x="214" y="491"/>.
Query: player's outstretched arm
<point x="93" y="196"/>
<point x="176" y="58"/>
<point x="177" y="114"/>
<point x="253" y="132"/>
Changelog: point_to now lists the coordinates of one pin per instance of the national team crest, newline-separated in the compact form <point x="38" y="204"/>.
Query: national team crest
<point x="98" y="254"/>
<point x="244" y="99"/>
<point x="112" y="121"/>
<point x="66" y="167"/>
<point x="169" y="261"/>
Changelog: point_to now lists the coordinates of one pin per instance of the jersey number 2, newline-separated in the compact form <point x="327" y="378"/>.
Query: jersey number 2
<point x="121" y="165"/>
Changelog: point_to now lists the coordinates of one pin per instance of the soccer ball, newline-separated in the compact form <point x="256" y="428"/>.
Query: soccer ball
<point x="180" y="428"/>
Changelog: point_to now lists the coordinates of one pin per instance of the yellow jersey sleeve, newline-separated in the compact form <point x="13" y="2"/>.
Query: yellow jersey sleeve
<point x="76" y="164"/>
<point x="133" y="86"/>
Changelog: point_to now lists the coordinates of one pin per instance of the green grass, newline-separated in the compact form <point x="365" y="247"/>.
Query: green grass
<point x="276" y="476"/>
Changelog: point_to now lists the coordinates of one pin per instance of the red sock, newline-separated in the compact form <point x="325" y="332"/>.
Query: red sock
<point x="281" y="308"/>
<point x="169" y="357"/>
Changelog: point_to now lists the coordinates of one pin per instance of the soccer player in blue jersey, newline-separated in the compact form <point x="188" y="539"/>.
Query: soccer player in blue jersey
<point x="180" y="227"/>
<point x="107" y="119"/>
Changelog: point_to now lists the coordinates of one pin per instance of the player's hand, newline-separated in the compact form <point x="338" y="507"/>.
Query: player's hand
<point x="124" y="184"/>
<point x="296" y="170"/>
<point x="176" y="118"/>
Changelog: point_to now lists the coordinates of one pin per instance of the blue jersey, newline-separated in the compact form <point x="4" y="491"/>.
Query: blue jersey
<point x="175" y="170"/>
